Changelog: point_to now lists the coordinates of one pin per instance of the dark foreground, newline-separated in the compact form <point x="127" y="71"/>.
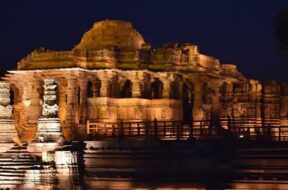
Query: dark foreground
<point x="149" y="164"/>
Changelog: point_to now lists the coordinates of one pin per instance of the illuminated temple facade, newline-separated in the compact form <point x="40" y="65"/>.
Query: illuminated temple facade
<point x="113" y="75"/>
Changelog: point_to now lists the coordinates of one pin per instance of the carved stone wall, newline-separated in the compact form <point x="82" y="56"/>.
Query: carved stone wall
<point x="7" y="127"/>
<point x="5" y="107"/>
<point x="135" y="109"/>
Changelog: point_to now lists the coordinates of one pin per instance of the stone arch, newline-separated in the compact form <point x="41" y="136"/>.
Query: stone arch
<point x="156" y="89"/>
<point x="93" y="88"/>
<point x="188" y="93"/>
<point x="40" y="90"/>
<point x="175" y="90"/>
<point x="15" y="95"/>
<point x="224" y="88"/>
<point x="188" y="101"/>
<point x="206" y="94"/>
<point x="89" y="89"/>
<point x="126" y="89"/>
<point x="239" y="87"/>
<point x="16" y="102"/>
<point x="114" y="87"/>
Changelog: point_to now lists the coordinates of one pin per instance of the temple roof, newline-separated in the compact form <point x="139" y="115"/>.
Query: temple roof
<point x="115" y="44"/>
<point x="109" y="33"/>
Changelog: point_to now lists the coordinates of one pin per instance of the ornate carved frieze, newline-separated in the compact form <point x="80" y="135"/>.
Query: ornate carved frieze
<point x="5" y="107"/>
<point x="50" y="108"/>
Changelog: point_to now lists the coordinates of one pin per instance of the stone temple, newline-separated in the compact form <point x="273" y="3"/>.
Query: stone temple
<point x="113" y="75"/>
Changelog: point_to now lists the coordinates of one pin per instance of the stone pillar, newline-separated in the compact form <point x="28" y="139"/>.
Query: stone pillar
<point x="197" y="94"/>
<point x="49" y="134"/>
<point x="215" y="109"/>
<point x="31" y="102"/>
<point x="7" y="127"/>
<point x="95" y="88"/>
<point x="271" y="104"/>
<point x="62" y="87"/>
<point x="179" y="86"/>
<point x="136" y="89"/>
<point x="198" y="111"/>
<point x="226" y="104"/>
<point x="71" y="106"/>
<point x="104" y="90"/>
<point x="166" y="88"/>
<point x="137" y="79"/>
<point x="5" y="107"/>
<point x="83" y="97"/>
<point x="255" y="97"/>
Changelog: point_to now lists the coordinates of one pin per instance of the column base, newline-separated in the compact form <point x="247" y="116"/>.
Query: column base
<point x="39" y="147"/>
<point x="49" y="130"/>
<point x="8" y="132"/>
<point x="48" y="137"/>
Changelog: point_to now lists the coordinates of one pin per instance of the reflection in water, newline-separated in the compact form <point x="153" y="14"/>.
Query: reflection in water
<point x="260" y="185"/>
<point x="124" y="184"/>
<point x="65" y="169"/>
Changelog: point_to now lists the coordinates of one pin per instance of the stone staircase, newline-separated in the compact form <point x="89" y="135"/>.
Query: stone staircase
<point x="14" y="165"/>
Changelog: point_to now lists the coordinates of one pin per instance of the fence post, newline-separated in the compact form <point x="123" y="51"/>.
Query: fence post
<point x="88" y="127"/>
<point x="229" y="124"/>
<point x="201" y="129"/>
<point x="210" y="127"/>
<point x="113" y="130"/>
<point x="191" y="130"/>
<point x="179" y="130"/>
<point x="279" y="133"/>
<point x="155" y="128"/>
<point x="138" y="129"/>
<point x="248" y="133"/>
<point x="269" y="133"/>
<point x="121" y="135"/>
<point x="130" y="129"/>
<point x="173" y="129"/>
<point x="164" y="129"/>
<point x="105" y="130"/>
<point x="146" y="130"/>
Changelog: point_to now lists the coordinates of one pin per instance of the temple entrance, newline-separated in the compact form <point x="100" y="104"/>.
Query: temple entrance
<point x="126" y="90"/>
<point x="93" y="88"/>
<point x="188" y="103"/>
<point x="156" y="89"/>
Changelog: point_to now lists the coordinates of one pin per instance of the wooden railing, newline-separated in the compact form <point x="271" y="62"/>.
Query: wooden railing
<point x="178" y="130"/>
<point x="268" y="133"/>
<point x="157" y="129"/>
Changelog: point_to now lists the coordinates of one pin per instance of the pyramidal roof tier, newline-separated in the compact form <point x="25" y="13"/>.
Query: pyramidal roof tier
<point x="109" y="33"/>
<point x="115" y="44"/>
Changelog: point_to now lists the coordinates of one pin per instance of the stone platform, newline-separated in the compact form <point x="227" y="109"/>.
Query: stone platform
<point x="40" y="147"/>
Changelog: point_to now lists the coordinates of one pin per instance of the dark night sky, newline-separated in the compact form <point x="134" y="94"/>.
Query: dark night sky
<point x="235" y="31"/>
